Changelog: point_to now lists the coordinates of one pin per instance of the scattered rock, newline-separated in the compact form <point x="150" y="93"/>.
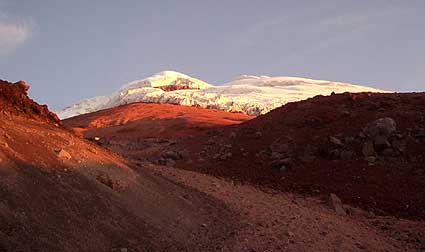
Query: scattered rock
<point x="210" y="141"/>
<point x="3" y="143"/>
<point x="399" y="145"/>
<point x="170" y="154"/>
<point x="335" y="153"/>
<point x="335" y="204"/>
<point x="347" y="154"/>
<point x="258" y="134"/>
<point x="346" y="113"/>
<point x="420" y="133"/>
<point x="167" y="162"/>
<point x="170" y="163"/>
<point x="349" y="140"/>
<point x="63" y="154"/>
<point x="389" y="153"/>
<point x="335" y="141"/>
<point x="381" y="127"/>
<point x="114" y="184"/>
<point x="100" y="141"/>
<point x="313" y="122"/>
<point x="368" y="150"/>
<point x="371" y="160"/>
<point x="94" y="151"/>
<point x="226" y="156"/>
<point x="381" y="142"/>
<point x="282" y="164"/>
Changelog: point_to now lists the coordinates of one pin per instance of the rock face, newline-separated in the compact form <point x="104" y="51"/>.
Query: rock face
<point x="14" y="99"/>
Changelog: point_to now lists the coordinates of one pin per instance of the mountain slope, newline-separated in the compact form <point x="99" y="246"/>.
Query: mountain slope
<point x="140" y="131"/>
<point x="278" y="170"/>
<point x="367" y="148"/>
<point x="61" y="193"/>
<point x="253" y="95"/>
<point x="314" y="146"/>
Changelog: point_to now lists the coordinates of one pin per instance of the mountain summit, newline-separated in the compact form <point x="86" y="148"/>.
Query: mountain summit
<point x="167" y="81"/>
<point x="253" y="95"/>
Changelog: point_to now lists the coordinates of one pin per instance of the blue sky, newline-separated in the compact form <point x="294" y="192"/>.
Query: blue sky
<point x="69" y="50"/>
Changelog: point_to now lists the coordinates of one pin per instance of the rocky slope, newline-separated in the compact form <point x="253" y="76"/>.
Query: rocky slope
<point x="61" y="193"/>
<point x="273" y="216"/>
<point x="141" y="131"/>
<point x="366" y="148"/>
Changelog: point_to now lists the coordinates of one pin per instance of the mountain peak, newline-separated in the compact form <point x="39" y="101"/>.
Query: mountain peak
<point x="166" y="80"/>
<point x="171" y="73"/>
<point x="250" y="94"/>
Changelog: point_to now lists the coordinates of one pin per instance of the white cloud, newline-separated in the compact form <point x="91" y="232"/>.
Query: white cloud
<point x="14" y="34"/>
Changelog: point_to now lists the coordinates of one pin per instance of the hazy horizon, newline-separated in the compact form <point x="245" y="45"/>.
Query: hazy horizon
<point x="69" y="50"/>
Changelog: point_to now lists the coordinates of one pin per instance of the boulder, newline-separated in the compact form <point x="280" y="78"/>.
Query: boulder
<point x="166" y="162"/>
<point x="63" y="154"/>
<point x="258" y="134"/>
<point x="3" y="143"/>
<point x="381" y="127"/>
<point x="381" y="143"/>
<point x="389" y="153"/>
<point x="368" y="150"/>
<point x="335" y="141"/>
<point x="170" y="154"/>
<point x="282" y="164"/>
<point x="335" y="204"/>
<point x="370" y="160"/>
<point x="399" y="145"/>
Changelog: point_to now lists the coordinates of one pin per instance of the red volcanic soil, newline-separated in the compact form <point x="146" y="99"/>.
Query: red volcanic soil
<point x="61" y="193"/>
<point x="313" y="147"/>
<point x="317" y="146"/>
<point x="275" y="172"/>
<point x="142" y="131"/>
<point x="147" y="120"/>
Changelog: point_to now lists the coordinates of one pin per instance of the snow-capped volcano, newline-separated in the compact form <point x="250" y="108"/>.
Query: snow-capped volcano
<point x="167" y="80"/>
<point x="250" y="94"/>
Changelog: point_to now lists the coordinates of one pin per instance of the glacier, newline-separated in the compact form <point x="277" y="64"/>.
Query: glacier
<point x="250" y="94"/>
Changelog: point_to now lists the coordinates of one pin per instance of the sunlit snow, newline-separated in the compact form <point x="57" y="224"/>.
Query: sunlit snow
<point x="250" y="94"/>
